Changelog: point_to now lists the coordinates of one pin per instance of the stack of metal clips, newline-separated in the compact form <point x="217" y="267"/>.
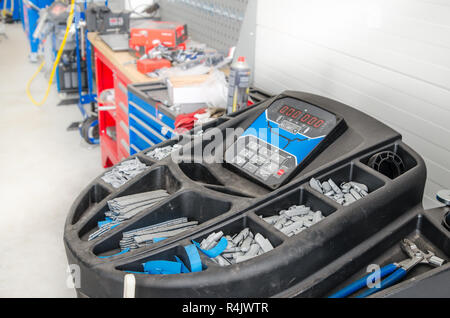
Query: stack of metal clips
<point x="294" y="220"/>
<point x="126" y="207"/>
<point x="345" y="194"/>
<point x="163" y="152"/>
<point x="123" y="172"/>
<point x="154" y="233"/>
<point x="241" y="246"/>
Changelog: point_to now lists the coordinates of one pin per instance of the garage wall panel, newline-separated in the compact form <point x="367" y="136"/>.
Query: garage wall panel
<point x="388" y="58"/>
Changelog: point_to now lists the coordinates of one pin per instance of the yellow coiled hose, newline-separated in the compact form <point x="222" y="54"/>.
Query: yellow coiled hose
<point x="55" y="64"/>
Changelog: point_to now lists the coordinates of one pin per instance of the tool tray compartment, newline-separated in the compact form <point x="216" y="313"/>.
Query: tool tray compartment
<point x="408" y="161"/>
<point x="191" y="204"/>
<point x="313" y="262"/>
<point x="423" y="229"/>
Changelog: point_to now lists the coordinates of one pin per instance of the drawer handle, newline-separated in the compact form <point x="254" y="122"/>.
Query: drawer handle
<point x="122" y="106"/>
<point x="122" y="88"/>
<point x="124" y="127"/>
<point x="125" y="145"/>
<point x="154" y="132"/>
<point x="135" y="148"/>
<point x="106" y="108"/>
<point x="152" y="117"/>
<point x="142" y="136"/>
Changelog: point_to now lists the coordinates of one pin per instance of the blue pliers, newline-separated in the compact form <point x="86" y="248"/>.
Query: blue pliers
<point x="396" y="271"/>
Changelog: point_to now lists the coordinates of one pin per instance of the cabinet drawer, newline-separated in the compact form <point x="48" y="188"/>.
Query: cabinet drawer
<point x="146" y="130"/>
<point x="123" y="137"/>
<point x="121" y="96"/>
<point x="122" y="110"/>
<point x="152" y="109"/>
<point x="124" y="149"/>
<point x="134" y="149"/>
<point x="139" y="140"/>
<point x="163" y="130"/>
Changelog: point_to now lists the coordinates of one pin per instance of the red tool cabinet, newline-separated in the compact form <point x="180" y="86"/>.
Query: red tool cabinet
<point x="113" y="119"/>
<point x="114" y="70"/>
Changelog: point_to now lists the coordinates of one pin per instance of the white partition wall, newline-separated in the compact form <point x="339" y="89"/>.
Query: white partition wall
<point x="388" y="58"/>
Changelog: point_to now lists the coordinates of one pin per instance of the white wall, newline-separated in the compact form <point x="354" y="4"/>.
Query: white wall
<point x="137" y="5"/>
<point x="388" y="58"/>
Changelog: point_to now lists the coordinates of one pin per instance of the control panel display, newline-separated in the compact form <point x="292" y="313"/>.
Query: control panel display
<point x="294" y="113"/>
<point x="282" y="140"/>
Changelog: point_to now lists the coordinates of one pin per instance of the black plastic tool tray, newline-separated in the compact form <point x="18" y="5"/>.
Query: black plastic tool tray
<point x="313" y="263"/>
<point x="424" y="228"/>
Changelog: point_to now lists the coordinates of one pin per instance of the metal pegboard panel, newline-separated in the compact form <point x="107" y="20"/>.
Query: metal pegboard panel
<point x="214" y="22"/>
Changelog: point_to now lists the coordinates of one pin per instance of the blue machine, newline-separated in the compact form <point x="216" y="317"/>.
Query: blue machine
<point x="282" y="140"/>
<point x="84" y="53"/>
<point x="30" y="20"/>
<point x="53" y="24"/>
<point x="13" y="6"/>
<point x="74" y="74"/>
<point x="86" y="95"/>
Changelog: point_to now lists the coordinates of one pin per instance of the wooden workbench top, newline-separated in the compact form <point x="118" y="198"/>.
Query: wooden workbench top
<point x="118" y="59"/>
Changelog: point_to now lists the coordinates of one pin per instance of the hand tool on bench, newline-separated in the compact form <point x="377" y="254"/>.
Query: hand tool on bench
<point x="394" y="272"/>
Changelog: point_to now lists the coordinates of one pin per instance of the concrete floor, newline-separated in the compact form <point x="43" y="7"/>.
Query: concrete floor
<point x="42" y="170"/>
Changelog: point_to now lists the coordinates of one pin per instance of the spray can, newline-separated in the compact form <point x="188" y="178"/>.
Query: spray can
<point x="238" y="87"/>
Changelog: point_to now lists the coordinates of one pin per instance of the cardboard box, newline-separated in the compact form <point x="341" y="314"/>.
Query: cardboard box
<point x="143" y="35"/>
<point x="187" y="90"/>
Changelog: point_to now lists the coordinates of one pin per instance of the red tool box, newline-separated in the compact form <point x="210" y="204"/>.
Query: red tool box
<point x="151" y="65"/>
<point x="169" y="34"/>
<point x="113" y="123"/>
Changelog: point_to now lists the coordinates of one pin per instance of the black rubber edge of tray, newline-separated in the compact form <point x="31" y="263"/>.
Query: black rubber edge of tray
<point x="222" y="200"/>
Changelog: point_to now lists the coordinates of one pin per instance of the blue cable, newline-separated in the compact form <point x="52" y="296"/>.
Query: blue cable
<point x="391" y="280"/>
<point x="362" y="282"/>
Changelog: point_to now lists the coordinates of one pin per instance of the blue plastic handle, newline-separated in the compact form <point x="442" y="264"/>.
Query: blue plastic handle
<point x="134" y="272"/>
<point x="162" y="267"/>
<point x="106" y="221"/>
<point x="113" y="226"/>
<point x="184" y="268"/>
<point x="389" y="281"/>
<point x="177" y="267"/>
<point x="216" y="250"/>
<point x="194" y="258"/>
<point x="362" y="282"/>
